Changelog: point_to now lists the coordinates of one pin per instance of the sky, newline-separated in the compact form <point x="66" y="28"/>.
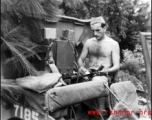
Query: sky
<point x="147" y="0"/>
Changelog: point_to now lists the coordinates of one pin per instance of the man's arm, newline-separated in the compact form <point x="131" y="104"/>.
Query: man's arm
<point x="115" y="59"/>
<point x="83" y="55"/>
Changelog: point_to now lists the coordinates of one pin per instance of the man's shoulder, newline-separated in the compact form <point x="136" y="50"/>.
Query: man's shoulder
<point x="112" y="41"/>
<point x="89" y="41"/>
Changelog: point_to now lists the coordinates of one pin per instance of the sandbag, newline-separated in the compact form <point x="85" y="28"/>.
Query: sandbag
<point x="39" y="83"/>
<point x="60" y="97"/>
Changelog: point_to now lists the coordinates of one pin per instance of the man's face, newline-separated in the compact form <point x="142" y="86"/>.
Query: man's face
<point x="98" y="31"/>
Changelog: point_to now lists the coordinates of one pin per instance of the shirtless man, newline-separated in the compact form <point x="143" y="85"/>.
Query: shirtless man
<point x="100" y="50"/>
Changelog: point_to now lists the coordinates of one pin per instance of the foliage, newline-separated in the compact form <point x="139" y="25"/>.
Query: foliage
<point x="20" y="29"/>
<point x="126" y="76"/>
<point x="11" y="88"/>
<point x="133" y="61"/>
<point x="125" y="18"/>
<point x="136" y="55"/>
<point x="132" y="67"/>
<point x="84" y="10"/>
<point x="20" y="37"/>
<point x="71" y="4"/>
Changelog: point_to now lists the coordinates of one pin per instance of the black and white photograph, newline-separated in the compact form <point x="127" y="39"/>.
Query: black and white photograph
<point x="75" y="60"/>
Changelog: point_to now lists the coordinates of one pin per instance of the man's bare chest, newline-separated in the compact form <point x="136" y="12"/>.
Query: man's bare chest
<point x="100" y="50"/>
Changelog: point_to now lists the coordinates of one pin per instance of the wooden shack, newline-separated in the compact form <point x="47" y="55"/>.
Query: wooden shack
<point x="80" y="27"/>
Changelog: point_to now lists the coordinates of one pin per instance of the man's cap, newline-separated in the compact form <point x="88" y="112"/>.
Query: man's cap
<point x="95" y="20"/>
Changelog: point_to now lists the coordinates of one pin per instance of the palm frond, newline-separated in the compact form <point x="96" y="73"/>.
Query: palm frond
<point x="31" y="8"/>
<point x="7" y="6"/>
<point x="9" y="88"/>
<point x="20" y="28"/>
<point x="33" y="26"/>
<point x="24" y="62"/>
<point x="19" y="38"/>
<point x="19" y="35"/>
<point x="29" y="52"/>
<point x="6" y="26"/>
<point x="52" y="9"/>
<point x="38" y="9"/>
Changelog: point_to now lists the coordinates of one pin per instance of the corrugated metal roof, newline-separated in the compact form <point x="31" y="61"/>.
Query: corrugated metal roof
<point x="62" y="17"/>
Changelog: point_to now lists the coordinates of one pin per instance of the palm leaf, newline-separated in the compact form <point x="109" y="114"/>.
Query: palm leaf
<point x="33" y="26"/>
<point x="9" y="89"/>
<point x="52" y="9"/>
<point x="28" y="53"/>
<point x="18" y="37"/>
<point x="15" y="37"/>
<point x="24" y="62"/>
<point x="6" y="26"/>
<point x="30" y="8"/>
<point x="7" y="6"/>
<point x="38" y="9"/>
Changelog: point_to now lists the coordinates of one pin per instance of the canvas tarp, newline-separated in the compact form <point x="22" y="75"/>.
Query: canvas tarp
<point x="60" y="97"/>
<point x="126" y="92"/>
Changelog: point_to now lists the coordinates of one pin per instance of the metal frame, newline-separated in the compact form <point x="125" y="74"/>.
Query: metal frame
<point x="147" y="58"/>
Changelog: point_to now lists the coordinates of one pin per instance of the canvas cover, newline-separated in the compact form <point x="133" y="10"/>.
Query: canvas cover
<point x="60" y="97"/>
<point x="126" y="92"/>
<point x="39" y="83"/>
<point x="36" y="101"/>
<point x="122" y="116"/>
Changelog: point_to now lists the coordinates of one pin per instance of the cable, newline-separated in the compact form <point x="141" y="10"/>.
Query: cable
<point x="78" y="76"/>
<point x="74" y="113"/>
<point x="76" y="57"/>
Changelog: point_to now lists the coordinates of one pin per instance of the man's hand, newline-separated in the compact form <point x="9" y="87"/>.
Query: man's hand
<point x="105" y="71"/>
<point x="50" y="61"/>
<point x="82" y="70"/>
